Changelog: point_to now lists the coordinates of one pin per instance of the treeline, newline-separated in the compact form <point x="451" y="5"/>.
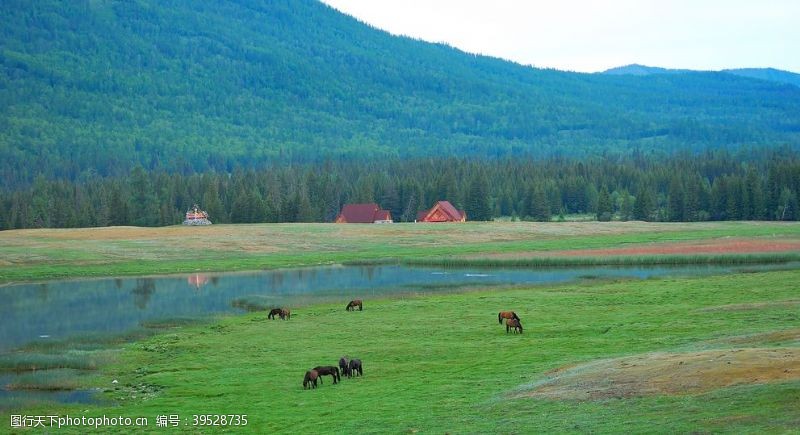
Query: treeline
<point x="710" y="186"/>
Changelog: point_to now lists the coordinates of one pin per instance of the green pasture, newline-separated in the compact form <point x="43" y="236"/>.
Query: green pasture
<point x="48" y="254"/>
<point x="439" y="364"/>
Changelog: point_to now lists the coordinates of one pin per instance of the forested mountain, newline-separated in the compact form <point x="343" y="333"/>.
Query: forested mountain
<point x="768" y="74"/>
<point x="97" y="87"/>
<point x="635" y="69"/>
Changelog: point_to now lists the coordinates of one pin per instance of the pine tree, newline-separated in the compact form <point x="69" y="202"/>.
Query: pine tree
<point x="540" y="207"/>
<point x="478" y="204"/>
<point x="604" y="210"/>
<point x="644" y="205"/>
<point x="676" y="205"/>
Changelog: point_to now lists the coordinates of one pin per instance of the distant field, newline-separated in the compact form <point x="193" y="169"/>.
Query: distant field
<point x="683" y="355"/>
<point x="50" y="253"/>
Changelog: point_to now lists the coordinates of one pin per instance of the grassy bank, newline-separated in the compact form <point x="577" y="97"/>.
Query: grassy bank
<point x="442" y="363"/>
<point x="648" y="260"/>
<point x="118" y="251"/>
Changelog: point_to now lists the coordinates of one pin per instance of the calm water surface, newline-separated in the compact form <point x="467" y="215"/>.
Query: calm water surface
<point x="63" y="309"/>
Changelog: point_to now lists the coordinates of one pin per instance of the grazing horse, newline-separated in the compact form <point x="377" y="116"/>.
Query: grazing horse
<point x="328" y="370"/>
<point x="285" y="314"/>
<point x="310" y="380"/>
<point x="513" y="323"/>
<point x="506" y="315"/>
<point x="353" y="304"/>
<point x="273" y="312"/>
<point x="344" y="366"/>
<point x="355" y="367"/>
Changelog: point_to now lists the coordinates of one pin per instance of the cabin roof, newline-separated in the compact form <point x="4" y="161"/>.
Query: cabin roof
<point x="450" y="210"/>
<point x="363" y="213"/>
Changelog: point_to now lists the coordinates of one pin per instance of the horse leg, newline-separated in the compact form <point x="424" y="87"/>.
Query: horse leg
<point x="360" y="307"/>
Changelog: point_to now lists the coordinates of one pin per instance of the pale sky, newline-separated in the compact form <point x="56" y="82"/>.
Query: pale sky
<point x="590" y="36"/>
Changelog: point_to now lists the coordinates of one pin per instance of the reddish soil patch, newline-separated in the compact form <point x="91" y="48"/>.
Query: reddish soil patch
<point x="671" y="373"/>
<point x="722" y="246"/>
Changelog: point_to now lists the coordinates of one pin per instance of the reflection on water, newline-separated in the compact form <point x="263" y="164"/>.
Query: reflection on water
<point x="198" y="280"/>
<point x="141" y="293"/>
<point x="63" y="309"/>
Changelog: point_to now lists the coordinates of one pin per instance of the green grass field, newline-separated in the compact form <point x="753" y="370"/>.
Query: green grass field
<point x="443" y="364"/>
<point x="710" y="354"/>
<point x="116" y="251"/>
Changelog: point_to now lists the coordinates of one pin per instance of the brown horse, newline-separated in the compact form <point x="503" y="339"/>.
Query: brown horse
<point x="355" y="367"/>
<point x="506" y="315"/>
<point x="285" y="314"/>
<point x="310" y="380"/>
<point x="273" y="312"/>
<point x="344" y="367"/>
<point x="328" y="370"/>
<point x="353" y="304"/>
<point x="513" y="323"/>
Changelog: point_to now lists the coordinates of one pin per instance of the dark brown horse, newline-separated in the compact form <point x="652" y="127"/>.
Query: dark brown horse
<point x="328" y="370"/>
<point x="506" y="315"/>
<point x="273" y="312"/>
<point x="353" y="304"/>
<point x="285" y="314"/>
<point x="344" y="367"/>
<point x="355" y="367"/>
<point x="513" y="323"/>
<point x="310" y="380"/>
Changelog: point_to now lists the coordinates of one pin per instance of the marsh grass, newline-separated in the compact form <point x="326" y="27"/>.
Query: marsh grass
<point x="253" y="303"/>
<point x="47" y="380"/>
<point x="72" y="359"/>
<point x="644" y="260"/>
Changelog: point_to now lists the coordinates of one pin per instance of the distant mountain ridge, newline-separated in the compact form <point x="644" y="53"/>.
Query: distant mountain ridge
<point x="768" y="74"/>
<point x="99" y="87"/>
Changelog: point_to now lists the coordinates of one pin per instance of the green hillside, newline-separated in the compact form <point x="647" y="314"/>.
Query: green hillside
<point x="768" y="74"/>
<point x="101" y="86"/>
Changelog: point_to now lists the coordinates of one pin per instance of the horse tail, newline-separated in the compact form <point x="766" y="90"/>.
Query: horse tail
<point x="500" y="318"/>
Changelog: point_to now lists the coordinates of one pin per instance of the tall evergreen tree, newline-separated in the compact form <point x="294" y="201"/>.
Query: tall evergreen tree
<point x="604" y="211"/>
<point x="540" y="207"/>
<point x="644" y="205"/>
<point x="478" y="204"/>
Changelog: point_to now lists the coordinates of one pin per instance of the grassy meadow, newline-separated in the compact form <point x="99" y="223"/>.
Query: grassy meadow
<point x="115" y="251"/>
<point x="443" y="363"/>
<point x="703" y="354"/>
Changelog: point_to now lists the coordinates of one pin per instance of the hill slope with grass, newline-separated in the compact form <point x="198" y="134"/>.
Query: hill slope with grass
<point x="101" y="86"/>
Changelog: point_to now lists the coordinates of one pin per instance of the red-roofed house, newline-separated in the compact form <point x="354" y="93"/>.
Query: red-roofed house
<point x="442" y="211"/>
<point x="363" y="214"/>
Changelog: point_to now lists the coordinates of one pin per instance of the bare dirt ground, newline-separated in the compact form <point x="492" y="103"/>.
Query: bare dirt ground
<point x="669" y="374"/>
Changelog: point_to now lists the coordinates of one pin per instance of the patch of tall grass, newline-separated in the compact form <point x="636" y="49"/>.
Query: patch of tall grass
<point x="28" y="361"/>
<point x="252" y="303"/>
<point x="646" y="260"/>
<point x="46" y="380"/>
